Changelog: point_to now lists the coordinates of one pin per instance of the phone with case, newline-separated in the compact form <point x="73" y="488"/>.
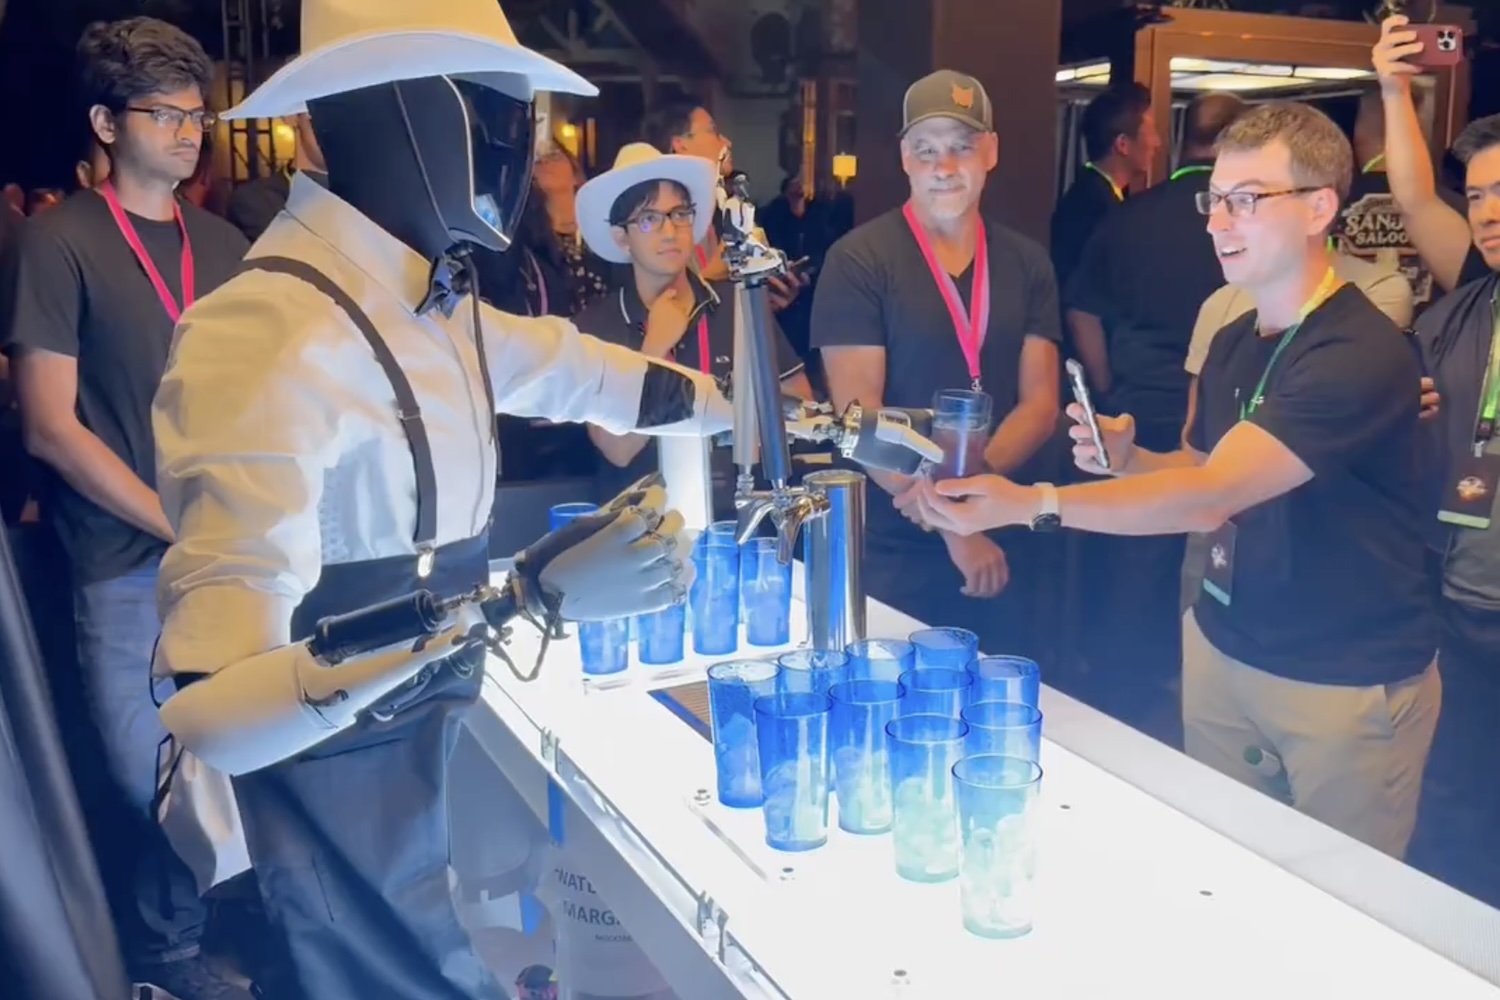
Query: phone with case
<point x="1442" y="45"/>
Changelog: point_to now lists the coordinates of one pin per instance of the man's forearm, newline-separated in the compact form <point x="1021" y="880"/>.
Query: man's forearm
<point x="619" y="449"/>
<point x="1025" y="429"/>
<point x="1166" y="502"/>
<point x="90" y="467"/>
<point x="1143" y="462"/>
<point x="1407" y="163"/>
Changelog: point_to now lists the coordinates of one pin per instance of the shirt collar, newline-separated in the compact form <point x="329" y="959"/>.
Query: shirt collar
<point x="634" y="310"/>
<point x="390" y="263"/>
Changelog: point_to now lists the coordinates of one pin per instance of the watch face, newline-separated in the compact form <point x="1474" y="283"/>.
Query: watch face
<point x="1046" y="522"/>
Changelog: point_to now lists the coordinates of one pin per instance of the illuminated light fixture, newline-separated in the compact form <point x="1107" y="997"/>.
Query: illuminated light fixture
<point x="845" y="166"/>
<point x="567" y="138"/>
<point x="1189" y="73"/>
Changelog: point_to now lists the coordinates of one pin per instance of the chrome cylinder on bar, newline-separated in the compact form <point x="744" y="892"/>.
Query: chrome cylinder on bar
<point x="746" y="429"/>
<point x="834" y="560"/>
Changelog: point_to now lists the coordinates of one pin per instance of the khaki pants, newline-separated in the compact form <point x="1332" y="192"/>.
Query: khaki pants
<point x="1351" y="757"/>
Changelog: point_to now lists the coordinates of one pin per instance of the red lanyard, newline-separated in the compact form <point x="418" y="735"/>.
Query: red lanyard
<point x="127" y="230"/>
<point x="702" y="257"/>
<point x="971" y="329"/>
<point x="705" y="358"/>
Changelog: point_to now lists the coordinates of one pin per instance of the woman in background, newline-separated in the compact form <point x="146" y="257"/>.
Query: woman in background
<point x="558" y="176"/>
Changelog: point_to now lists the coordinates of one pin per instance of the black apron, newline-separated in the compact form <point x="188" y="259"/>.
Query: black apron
<point x="350" y="840"/>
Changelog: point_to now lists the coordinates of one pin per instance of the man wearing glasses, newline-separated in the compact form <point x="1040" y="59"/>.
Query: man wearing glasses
<point x="1308" y="659"/>
<point x="650" y="211"/>
<point x="99" y="284"/>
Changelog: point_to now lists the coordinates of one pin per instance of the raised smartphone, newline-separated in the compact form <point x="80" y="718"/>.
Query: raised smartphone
<point x="1090" y="415"/>
<point x="1442" y="45"/>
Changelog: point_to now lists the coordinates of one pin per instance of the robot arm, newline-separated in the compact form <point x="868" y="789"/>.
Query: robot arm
<point x="890" y="439"/>
<point x="630" y="558"/>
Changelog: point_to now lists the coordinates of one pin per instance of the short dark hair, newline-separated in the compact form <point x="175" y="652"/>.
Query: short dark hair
<point x="638" y="196"/>
<point x="122" y="61"/>
<point x="1116" y="112"/>
<point x="1480" y="135"/>
<point x="668" y="121"/>
<point x="1207" y="116"/>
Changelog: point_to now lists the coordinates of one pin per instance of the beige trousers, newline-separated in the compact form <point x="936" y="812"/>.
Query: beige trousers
<point x="1351" y="757"/>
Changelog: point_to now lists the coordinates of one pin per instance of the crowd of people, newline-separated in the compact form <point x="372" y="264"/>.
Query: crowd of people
<point x="1278" y="554"/>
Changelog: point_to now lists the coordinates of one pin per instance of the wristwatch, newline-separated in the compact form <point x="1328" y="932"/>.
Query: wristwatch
<point x="1048" y="518"/>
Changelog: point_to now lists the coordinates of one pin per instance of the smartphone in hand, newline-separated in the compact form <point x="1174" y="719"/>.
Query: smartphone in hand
<point x="1442" y="45"/>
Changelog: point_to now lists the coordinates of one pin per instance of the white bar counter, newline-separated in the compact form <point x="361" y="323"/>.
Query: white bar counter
<point x="1159" y="878"/>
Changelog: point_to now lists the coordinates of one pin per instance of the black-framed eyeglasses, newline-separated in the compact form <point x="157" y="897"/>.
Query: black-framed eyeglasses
<point x="166" y="116"/>
<point x="1239" y="203"/>
<point x="651" y="220"/>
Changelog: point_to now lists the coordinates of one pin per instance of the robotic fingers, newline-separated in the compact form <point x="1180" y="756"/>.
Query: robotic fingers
<point x="890" y="439"/>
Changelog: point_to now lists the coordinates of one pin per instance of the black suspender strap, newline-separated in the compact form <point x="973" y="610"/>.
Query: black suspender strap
<point x="407" y="410"/>
<point x="484" y="366"/>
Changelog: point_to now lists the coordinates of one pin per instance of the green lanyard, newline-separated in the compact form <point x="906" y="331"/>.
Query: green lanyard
<point x="1489" y="393"/>
<point x="1196" y="168"/>
<point x="1119" y="194"/>
<point x="1325" y="288"/>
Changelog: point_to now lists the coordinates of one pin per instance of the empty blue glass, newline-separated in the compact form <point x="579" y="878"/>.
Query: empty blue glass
<point x="660" y="636"/>
<point x="715" y="595"/>
<point x="765" y="594"/>
<point x="812" y="671"/>
<point x="997" y="818"/>
<point x="924" y="813"/>
<point x="1006" y="678"/>
<point x="792" y="732"/>
<point x="1008" y="728"/>
<point x="860" y="755"/>
<point x="954" y="648"/>
<point x="604" y="647"/>
<point x="733" y="687"/>
<point x="880" y="659"/>
<point x="935" y="691"/>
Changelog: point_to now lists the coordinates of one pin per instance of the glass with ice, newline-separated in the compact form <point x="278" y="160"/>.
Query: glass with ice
<point x="880" y="659"/>
<point x="861" y="758"/>
<point x="1009" y="728"/>
<point x="924" y="817"/>
<point x="997" y="811"/>
<point x="792" y="733"/>
<point x="765" y="593"/>
<point x="715" y="595"/>
<point x="812" y="671"/>
<point x="733" y="687"/>
<point x="936" y="691"/>
<point x="961" y="427"/>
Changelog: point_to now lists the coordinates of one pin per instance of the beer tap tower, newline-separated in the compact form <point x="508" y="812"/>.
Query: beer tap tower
<point x="830" y="504"/>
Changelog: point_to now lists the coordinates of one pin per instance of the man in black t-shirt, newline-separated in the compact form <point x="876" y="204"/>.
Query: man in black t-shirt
<point x="649" y="211"/>
<point x="98" y="284"/>
<point x="892" y="336"/>
<point x="1120" y="140"/>
<point x="1308" y="661"/>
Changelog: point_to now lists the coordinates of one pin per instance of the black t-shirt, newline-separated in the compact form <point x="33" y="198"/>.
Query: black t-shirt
<point x="1371" y="226"/>
<point x="1145" y="274"/>
<point x="79" y="291"/>
<point x="620" y="318"/>
<point x="1475" y="267"/>
<point x="1078" y="213"/>
<point x="876" y="291"/>
<point x="1328" y="580"/>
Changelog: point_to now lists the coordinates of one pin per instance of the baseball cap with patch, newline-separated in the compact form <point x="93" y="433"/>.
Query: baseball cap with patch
<point x="948" y="94"/>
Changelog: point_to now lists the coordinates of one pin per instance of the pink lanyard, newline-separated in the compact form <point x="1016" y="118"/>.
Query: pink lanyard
<point x="127" y="230"/>
<point x="971" y="328"/>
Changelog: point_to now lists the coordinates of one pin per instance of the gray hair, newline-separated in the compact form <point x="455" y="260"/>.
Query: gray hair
<point x="1321" y="155"/>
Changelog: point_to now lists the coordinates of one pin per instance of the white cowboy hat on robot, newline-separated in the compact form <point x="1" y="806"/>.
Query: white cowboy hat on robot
<point x="351" y="44"/>
<point x="635" y="163"/>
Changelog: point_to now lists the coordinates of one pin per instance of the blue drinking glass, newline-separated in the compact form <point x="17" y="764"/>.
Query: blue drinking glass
<point x="954" y="648"/>
<point x="604" y="647"/>
<point x="792" y="733"/>
<point x="660" y="636"/>
<point x="880" y="659"/>
<point x="860" y="755"/>
<point x="997" y="818"/>
<point x="715" y="594"/>
<point x="765" y="593"/>
<point x="935" y="691"/>
<point x="1006" y="678"/>
<point x="924" y="813"/>
<point x="733" y="687"/>
<point x="1008" y="728"/>
<point x="812" y="671"/>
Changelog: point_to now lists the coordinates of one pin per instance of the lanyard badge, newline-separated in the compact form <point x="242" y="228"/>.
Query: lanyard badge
<point x="972" y="327"/>
<point x="127" y="230"/>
